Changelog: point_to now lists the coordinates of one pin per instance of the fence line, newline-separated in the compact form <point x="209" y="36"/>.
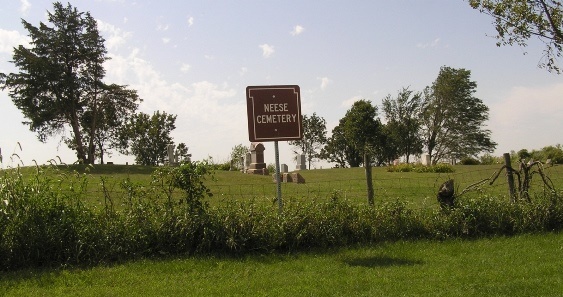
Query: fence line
<point x="417" y="188"/>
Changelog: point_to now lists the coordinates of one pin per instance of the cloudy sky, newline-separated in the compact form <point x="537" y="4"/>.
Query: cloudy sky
<point x="195" y="59"/>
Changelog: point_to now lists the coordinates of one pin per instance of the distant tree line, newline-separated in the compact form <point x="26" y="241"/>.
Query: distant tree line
<point x="445" y="120"/>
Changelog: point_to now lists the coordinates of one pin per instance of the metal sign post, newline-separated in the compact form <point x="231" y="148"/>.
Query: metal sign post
<point x="278" y="177"/>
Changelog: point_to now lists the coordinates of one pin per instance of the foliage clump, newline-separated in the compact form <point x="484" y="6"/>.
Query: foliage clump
<point x="45" y="222"/>
<point x="419" y="168"/>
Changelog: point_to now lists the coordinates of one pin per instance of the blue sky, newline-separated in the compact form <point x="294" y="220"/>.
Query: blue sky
<point x="195" y="59"/>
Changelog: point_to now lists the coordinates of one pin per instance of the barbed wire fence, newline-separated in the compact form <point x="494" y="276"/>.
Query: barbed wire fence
<point x="417" y="189"/>
<point x="420" y="189"/>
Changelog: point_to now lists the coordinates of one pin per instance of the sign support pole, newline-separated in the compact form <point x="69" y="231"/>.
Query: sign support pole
<point x="278" y="178"/>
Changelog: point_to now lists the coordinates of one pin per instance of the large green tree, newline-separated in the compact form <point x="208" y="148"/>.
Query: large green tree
<point x="339" y="151"/>
<point x="516" y="21"/>
<point x="403" y="122"/>
<point x="314" y="138"/>
<point x="59" y="82"/>
<point x="453" y="118"/>
<point x="363" y="131"/>
<point x="102" y="123"/>
<point x="147" y="137"/>
<point x="182" y="152"/>
<point x="238" y="152"/>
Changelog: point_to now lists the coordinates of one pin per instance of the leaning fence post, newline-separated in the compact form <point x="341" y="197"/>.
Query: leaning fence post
<point x="509" y="177"/>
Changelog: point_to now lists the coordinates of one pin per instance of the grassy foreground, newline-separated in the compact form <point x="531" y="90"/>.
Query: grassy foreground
<point x="525" y="265"/>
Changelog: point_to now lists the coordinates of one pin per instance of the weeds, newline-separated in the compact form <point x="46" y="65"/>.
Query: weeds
<point x="44" y="222"/>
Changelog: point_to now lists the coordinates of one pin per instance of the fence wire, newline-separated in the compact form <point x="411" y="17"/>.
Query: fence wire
<point x="420" y="189"/>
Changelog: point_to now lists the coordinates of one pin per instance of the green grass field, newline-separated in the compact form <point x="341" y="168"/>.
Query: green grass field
<point x="526" y="265"/>
<point x="418" y="189"/>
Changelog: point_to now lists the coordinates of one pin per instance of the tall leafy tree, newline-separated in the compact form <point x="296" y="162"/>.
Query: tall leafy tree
<point x="238" y="152"/>
<point x="386" y="149"/>
<point x="147" y="137"/>
<point x="314" y="138"/>
<point x="114" y="104"/>
<point x="339" y="151"/>
<point x="363" y="131"/>
<point x="60" y="78"/>
<point x="182" y="152"/>
<point x="453" y="119"/>
<point x="516" y="21"/>
<point x="403" y="121"/>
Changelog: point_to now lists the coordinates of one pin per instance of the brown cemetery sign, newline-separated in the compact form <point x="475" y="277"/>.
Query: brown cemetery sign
<point x="274" y="113"/>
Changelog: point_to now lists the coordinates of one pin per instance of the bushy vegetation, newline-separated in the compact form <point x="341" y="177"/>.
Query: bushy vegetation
<point x="409" y="167"/>
<point x="552" y="153"/>
<point x="45" y="222"/>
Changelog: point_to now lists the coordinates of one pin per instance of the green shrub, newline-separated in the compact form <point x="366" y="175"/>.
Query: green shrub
<point x="488" y="159"/>
<point x="469" y="161"/>
<point x="439" y="168"/>
<point x="43" y="225"/>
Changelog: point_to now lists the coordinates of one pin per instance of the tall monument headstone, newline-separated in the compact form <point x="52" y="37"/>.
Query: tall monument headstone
<point x="301" y="162"/>
<point x="257" y="164"/>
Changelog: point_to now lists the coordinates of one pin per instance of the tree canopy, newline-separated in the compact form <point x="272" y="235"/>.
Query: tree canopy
<point x="453" y="119"/>
<point x="403" y="122"/>
<point x="339" y="151"/>
<point x="314" y="137"/>
<point x="516" y="21"/>
<point x="147" y="137"/>
<point x="60" y="81"/>
<point x="363" y="131"/>
<point x="238" y="152"/>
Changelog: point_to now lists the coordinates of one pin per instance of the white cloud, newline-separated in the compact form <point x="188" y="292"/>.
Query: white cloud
<point x="349" y="102"/>
<point x="325" y="81"/>
<point x="297" y="30"/>
<point x="243" y="71"/>
<point x="434" y="43"/>
<point x="11" y="39"/>
<point x="165" y="40"/>
<point x="162" y="27"/>
<point x="25" y="5"/>
<point x="267" y="50"/>
<point x="206" y="111"/>
<point x="115" y="37"/>
<point x="190" y="21"/>
<point x="209" y="57"/>
<point x="185" y="68"/>
<point x="530" y="115"/>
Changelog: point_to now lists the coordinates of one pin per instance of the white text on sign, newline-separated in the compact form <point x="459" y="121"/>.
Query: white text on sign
<point x="276" y="118"/>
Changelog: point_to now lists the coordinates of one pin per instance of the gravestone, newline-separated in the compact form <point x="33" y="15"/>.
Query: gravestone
<point x="297" y="178"/>
<point x="172" y="158"/>
<point x="257" y="165"/>
<point x="301" y="163"/>
<point x="247" y="161"/>
<point x="283" y="168"/>
<point x="291" y="177"/>
<point x="425" y="159"/>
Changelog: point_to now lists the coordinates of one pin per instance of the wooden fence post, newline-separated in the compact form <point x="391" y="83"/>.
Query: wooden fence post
<point x="510" y="177"/>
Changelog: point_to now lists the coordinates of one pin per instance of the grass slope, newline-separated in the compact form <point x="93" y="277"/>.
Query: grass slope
<point x="526" y="265"/>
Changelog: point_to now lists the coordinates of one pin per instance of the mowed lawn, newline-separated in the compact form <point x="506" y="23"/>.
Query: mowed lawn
<point x="526" y="265"/>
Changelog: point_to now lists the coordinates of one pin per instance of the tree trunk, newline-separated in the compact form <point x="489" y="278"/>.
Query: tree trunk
<point x="367" y="166"/>
<point x="101" y="148"/>
<point x="80" y="153"/>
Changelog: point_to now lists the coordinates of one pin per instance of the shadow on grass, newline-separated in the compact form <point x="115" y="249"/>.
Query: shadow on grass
<point x="381" y="261"/>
